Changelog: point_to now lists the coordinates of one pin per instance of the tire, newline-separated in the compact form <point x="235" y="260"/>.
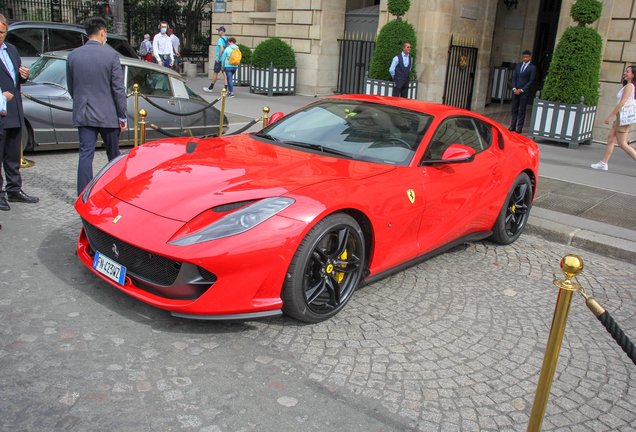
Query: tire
<point x="27" y="140"/>
<point x="514" y="214"/>
<point x="325" y="269"/>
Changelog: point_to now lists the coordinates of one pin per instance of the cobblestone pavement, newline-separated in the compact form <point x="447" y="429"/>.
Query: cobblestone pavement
<point x="453" y="344"/>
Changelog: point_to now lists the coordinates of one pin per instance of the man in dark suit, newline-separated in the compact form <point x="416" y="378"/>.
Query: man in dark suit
<point x="96" y="84"/>
<point x="12" y="75"/>
<point x="522" y="79"/>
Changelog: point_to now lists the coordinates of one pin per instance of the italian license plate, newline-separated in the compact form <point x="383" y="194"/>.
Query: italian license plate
<point x="109" y="268"/>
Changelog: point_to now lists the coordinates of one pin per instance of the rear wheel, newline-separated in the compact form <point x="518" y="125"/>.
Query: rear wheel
<point x="514" y="214"/>
<point x="325" y="269"/>
<point x="28" y="144"/>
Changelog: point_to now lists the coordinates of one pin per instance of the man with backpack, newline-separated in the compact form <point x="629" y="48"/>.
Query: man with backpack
<point x="145" y="50"/>
<point x="230" y="59"/>
<point x="221" y="44"/>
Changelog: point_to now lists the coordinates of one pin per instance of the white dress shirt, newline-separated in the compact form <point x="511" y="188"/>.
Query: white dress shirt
<point x="162" y="45"/>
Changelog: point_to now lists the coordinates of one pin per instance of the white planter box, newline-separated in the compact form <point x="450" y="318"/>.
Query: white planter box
<point x="568" y="123"/>
<point x="273" y="80"/>
<point x="385" y="88"/>
<point x="242" y="75"/>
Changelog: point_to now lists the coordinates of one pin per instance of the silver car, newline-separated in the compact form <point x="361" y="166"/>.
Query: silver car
<point x="50" y="128"/>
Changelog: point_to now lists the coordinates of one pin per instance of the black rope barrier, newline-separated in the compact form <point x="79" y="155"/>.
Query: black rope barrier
<point x="178" y="113"/>
<point x="38" y="101"/>
<point x="166" y="133"/>
<point x="619" y="336"/>
<point x="246" y="127"/>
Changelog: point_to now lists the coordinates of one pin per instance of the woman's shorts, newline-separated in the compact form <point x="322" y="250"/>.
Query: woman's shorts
<point x="620" y="129"/>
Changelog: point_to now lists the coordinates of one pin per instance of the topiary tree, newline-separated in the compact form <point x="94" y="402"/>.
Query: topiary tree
<point x="276" y="51"/>
<point x="576" y="63"/>
<point x="390" y="39"/>
<point x="246" y="54"/>
<point x="398" y="7"/>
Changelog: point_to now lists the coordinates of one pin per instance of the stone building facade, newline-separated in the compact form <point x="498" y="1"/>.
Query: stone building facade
<point x="501" y="34"/>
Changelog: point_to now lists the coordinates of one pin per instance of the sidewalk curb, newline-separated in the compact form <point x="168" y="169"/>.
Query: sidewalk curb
<point x="602" y="244"/>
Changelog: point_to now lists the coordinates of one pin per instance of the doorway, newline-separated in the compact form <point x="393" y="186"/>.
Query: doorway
<point x="544" y="41"/>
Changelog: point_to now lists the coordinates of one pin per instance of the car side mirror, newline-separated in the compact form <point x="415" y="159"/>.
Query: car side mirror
<point x="276" y="116"/>
<point x="458" y="153"/>
<point x="455" y="153"/>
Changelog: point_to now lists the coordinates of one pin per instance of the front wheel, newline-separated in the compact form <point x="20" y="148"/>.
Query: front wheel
<point x="325" y="269"/>
<point x="514" y="214"/>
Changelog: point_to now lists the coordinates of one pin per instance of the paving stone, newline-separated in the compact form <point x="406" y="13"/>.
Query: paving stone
<point x="454" y="343"/>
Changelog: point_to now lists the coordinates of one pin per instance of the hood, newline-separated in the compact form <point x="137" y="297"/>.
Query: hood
<point x="164" y="179"/>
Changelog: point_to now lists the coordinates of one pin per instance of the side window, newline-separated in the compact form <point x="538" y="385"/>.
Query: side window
<point x="459" y="130"/>
<point x="151" y="83"/>
<point x="485" y="132"/>
<point x="64" y="39"/>
<point x="28" y="41"/>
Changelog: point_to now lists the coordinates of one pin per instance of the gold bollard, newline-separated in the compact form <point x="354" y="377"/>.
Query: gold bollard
<point x="571" y="265"/>
<point x="143" y="113"/>
<point x="224" y="91"/>
<point x="136" y="93"/>
<point x="265" y="119"/>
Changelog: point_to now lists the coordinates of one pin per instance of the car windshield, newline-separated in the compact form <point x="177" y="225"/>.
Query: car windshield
<point x="49" y="70"/>
<point x="359" y="130"/>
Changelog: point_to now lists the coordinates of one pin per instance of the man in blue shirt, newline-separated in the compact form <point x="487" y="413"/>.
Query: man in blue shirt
<point x="221" y="44"/>
<point x="400" y="70"/>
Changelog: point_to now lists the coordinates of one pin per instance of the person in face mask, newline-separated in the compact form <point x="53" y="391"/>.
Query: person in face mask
<point x="162" y="46"/>
<point x="96" y="84"/>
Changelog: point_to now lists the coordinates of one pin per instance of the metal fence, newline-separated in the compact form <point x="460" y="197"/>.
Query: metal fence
<point x="140" y="17"/>
<point x="460" y="73"/>
<point x="356" y="51"/>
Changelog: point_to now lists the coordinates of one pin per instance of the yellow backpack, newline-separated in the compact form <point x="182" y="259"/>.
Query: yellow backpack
<point x="235" y="57"/>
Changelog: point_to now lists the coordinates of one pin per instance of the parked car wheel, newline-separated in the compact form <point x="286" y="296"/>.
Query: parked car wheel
<point x="514" y="214"/>
<point x="28" y="143"/>
<point x="325" y="270"/>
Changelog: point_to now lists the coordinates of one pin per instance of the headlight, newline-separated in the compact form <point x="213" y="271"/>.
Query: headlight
<point x="238" y="222"/>
<point x="88" y="189"/>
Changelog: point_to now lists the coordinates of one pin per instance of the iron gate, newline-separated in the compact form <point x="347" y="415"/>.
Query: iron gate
<point x="460" y="73"/>
<point x="356" y="51"/>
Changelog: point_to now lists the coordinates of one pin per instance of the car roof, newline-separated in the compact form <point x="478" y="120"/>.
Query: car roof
<point x="13" y="24"/>
<point x="127" y="61"/>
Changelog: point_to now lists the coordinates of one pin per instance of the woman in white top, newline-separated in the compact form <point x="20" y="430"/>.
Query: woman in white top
<point x="619" y="133"/>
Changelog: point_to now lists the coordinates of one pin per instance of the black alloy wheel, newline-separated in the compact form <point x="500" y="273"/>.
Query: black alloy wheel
<point x="514" y="214"/>
<point x="325" y="270"/>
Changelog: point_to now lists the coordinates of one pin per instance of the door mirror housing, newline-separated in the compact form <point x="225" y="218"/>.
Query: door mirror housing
<point x="276" y="116"/>
<point x="458" y="153"/>
<point x="455" y="153"/>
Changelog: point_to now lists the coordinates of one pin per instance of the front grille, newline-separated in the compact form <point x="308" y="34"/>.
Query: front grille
<point x="207" y="275"/>
<point x="153" y="268"/>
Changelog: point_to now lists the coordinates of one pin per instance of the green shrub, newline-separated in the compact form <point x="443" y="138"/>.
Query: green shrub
<point x="389" y="44"/>
<point x="276" y="51"/>
<point x="586" y="11"/>
<point x="246" y="54"/>
<point x="398" y="7"/>
<point x="576" y="63"/>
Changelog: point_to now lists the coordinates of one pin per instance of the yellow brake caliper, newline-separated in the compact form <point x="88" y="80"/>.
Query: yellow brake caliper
<point x="339" y="276"/>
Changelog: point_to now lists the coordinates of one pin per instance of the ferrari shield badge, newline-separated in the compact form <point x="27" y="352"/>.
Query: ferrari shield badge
<point x="411" y="194"/>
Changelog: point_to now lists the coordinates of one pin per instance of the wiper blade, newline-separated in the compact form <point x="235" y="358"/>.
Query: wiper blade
<point x="320" y="148"/>
<point x="50" y="83"/>
<point x="267" y="136"/>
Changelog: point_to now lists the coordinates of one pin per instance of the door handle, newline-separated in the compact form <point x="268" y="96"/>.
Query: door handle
<point x="496" y="171"/>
